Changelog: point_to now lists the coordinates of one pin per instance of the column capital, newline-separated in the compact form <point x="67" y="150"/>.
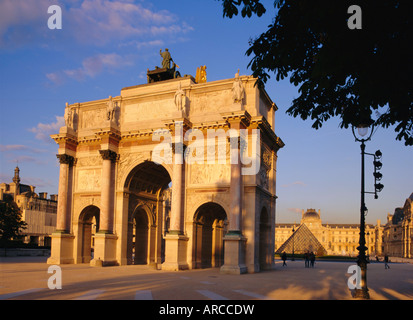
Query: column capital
<point x="175" y="125"/>
<point x="178" y="147"/>
<point x="237" y="120"/>
<point x="65" y="159"/>
<point x="108" y="155"/>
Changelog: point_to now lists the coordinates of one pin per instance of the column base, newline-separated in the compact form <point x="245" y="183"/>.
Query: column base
<point x="234" y="256"/>
<point x="175" y="252"/>
<point x="62" y="249"/>
<point x="105" y="250"/>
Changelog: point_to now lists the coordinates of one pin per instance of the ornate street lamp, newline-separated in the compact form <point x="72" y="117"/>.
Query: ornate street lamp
<point x="362" y="292"/>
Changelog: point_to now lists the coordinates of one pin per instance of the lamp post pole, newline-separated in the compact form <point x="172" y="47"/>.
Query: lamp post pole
<point x="362" y="292"/>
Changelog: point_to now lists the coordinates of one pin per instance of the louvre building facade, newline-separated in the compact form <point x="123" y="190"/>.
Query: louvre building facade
<point x="394" y="239"/>
<point x="398" y="231"/>
<point x="325" y="239"/>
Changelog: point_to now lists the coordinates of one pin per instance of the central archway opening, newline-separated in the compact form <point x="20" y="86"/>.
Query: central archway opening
<point x="146" y="185"/>
<point x="210" y="226"/>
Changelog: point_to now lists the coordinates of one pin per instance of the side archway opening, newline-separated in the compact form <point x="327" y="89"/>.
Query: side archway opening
<point x="210" y="226"/>
<point x="264" y="240"/>
<point x="88" y="226"/>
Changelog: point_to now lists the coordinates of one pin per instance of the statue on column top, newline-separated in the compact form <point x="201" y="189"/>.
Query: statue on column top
<point x="238" y="91"/>
<point x="110" y="109"/>
<point x="180" y="99"/>
<point x="201" y="76"/>
<point x="166" y="59"/>
<point x="68" y="116"/>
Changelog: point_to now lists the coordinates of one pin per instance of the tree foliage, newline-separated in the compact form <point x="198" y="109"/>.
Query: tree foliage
<point x="360" y="75"/>
<point x="10" y="220"/>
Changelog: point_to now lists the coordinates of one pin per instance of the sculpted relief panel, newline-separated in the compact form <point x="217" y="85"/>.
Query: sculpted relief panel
<point x="89" y="179"/>
<point x="89" y="161"/>
<point x="93" y="118"/>
<point x="147" y="110"/>
<point x="210" y="173"/>
<point x="210" y="102"/>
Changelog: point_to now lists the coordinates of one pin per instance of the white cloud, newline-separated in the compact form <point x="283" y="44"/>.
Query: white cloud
<point x="20" y="20"/>
<point x="55" y="77"/>
<point x="102" y="21"/>
<point x="92" y="66"/>
<point x="44" y="130"/>
<point x="90" y="22"/>
<point x="38" y="182"/>
<point x="152" y="43"/>
<point x="19" y="147"/>
<point x="12" y="147"/>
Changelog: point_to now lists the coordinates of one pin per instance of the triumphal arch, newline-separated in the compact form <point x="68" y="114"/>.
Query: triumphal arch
<point x="176" y="173"/>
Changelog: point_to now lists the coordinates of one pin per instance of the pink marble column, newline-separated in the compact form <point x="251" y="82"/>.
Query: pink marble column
<point x="176" y="203"/>
<point x="62" y="223"/>
<point x="235" y="192"/>
<point x="106" y="198"/>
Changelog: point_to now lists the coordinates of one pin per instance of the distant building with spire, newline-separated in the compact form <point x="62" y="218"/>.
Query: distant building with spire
<point x="37" y="211"/>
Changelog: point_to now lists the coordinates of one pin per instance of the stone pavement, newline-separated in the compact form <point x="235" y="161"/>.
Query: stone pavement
<point x="26" y="278"/>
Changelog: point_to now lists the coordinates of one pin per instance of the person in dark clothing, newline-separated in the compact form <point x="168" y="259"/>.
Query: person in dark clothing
<point x="284" y="257"/>
<point x="386" y="261"/>
<point x="306" y="259"/>
<point x="312" y="259"/>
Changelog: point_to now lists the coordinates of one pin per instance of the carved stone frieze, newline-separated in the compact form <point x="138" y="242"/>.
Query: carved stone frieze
<point x="210" y="173"/>
<point x="89" y="179"/>
<point x="89" y="161"/>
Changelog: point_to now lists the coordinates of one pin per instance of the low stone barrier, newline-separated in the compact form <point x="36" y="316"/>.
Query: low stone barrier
<point x="19" y="252"/>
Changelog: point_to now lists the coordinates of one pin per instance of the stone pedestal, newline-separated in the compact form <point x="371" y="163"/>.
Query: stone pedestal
<point x="234" y="263"/>
<point x="105" y="250"/>
<point x="179" y="114"/>
<point x="175" y="256"/>
<point x="62" y="249"/>
<point x="67" y="131"/>
<point x="236" y="106"/>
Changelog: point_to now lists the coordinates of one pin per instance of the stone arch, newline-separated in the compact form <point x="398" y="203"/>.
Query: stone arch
<point x="209" y="228"/>
<point x="129" y="162"/>
<point x="202" y="199"/>
<point x="145" y="184"/>
<point x="88" y="226"/>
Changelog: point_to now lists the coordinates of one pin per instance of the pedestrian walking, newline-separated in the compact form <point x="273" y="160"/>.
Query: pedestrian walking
<point x="386" y="262"/>
<point x="284" y="258"/>
<point x="312" y="259"/>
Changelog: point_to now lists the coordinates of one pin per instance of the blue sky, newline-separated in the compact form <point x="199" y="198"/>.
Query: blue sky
<point x="105" y="45"/>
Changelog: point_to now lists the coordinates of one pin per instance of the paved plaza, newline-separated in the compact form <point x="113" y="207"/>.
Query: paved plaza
<point x="26" y="278"/>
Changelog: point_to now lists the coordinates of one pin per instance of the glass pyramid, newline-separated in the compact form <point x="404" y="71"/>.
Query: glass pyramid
<point x="302" y="240"/>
